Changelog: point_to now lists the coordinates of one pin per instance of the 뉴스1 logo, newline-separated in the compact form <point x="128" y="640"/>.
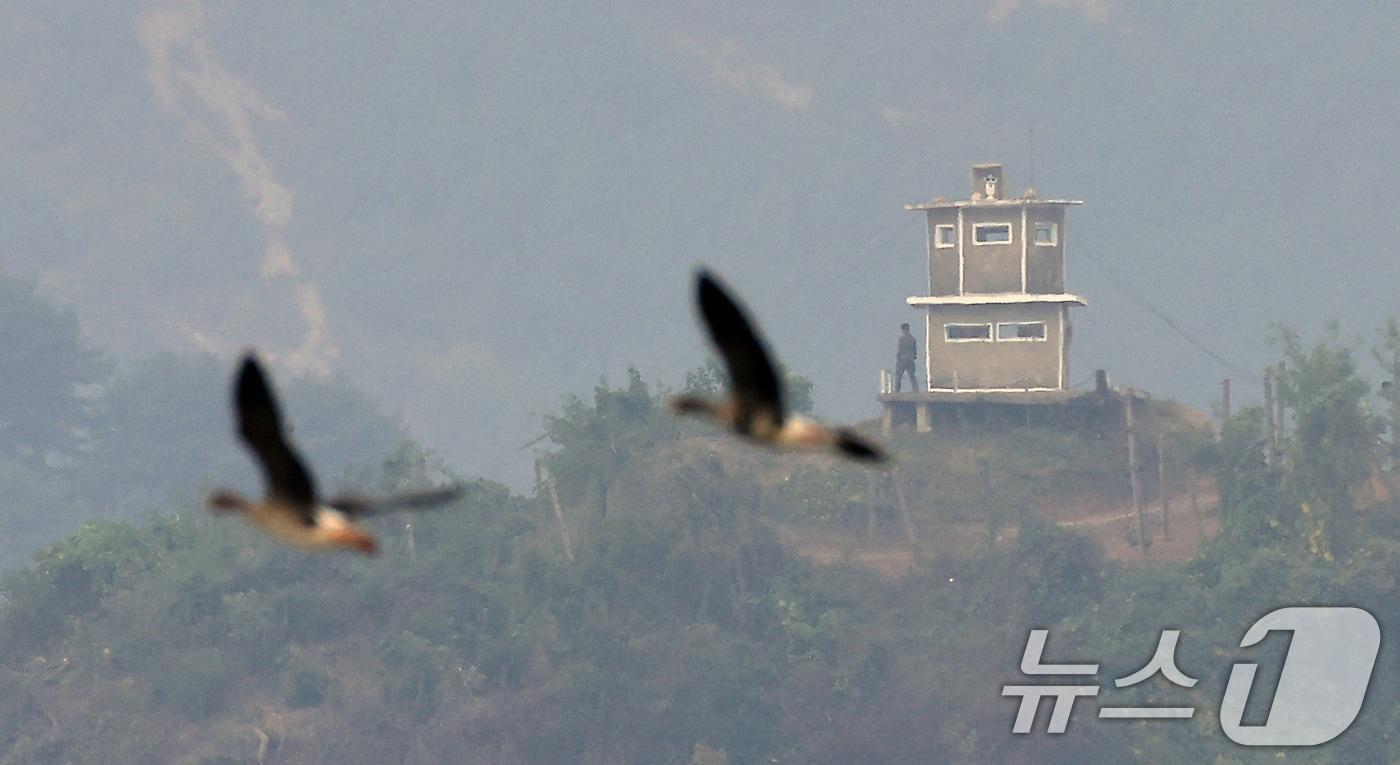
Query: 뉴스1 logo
<point x="1320" y="689"/>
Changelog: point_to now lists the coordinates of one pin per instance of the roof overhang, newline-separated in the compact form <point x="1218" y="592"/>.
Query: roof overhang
<point x="990" y="203"/>
<point x="994" y="298"/>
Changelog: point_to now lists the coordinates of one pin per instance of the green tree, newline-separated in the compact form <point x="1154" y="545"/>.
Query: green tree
<point x="51" y="376"/>
<point x="1334" y="442"/>
<point x="712" y="379"/>
<point x="1387" y="352"/>
<point x="1256" y="507"/>
<point x="596" y="440"/>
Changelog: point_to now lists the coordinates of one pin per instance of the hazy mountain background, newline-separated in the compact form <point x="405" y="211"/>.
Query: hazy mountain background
<point x="470" y="210"/>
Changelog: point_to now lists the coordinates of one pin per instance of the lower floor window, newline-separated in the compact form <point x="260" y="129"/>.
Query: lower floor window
<point x="1021" y="330"/>
<point x="966" y="332"/>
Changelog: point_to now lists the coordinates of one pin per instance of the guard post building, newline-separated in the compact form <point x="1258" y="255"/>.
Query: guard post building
<point x="996" y="313"/>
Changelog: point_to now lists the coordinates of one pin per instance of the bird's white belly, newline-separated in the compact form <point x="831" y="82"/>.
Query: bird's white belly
<point x="802" y="432"/>
<point x="288" y="527"/>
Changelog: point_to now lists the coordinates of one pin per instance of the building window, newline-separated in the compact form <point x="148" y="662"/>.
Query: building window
<point x="967" y="333"/>
<point x="1047" y="234"/>
<point x="991" y="233"/>
<point x="1021" y="331"/>
<point x="945" y="235"/>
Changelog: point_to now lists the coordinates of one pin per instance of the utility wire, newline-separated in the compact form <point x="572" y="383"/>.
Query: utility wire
<point x="894" y="233"/>
<point x="1132" y="295"/>
<point x="1107" y="270"/>
<point x="879" y="243"/>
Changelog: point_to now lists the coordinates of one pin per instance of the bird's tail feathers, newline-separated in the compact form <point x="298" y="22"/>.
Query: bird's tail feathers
<point x="857" y="448"/>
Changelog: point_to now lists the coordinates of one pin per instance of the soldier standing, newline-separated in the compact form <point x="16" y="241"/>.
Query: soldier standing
<point x="904" y="359"/>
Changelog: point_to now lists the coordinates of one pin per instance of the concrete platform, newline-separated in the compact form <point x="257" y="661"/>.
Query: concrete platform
<point x="922" y="409"/>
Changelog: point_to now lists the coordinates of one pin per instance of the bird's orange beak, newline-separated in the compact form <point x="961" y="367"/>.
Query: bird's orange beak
<point x="356" y="540"/>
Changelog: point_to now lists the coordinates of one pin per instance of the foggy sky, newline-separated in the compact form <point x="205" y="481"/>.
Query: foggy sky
<point x="472" y="211"/>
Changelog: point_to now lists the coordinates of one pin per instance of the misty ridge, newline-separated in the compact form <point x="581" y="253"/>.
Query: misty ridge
<point x="666" y="593"/>
<point x="464" y="237"/>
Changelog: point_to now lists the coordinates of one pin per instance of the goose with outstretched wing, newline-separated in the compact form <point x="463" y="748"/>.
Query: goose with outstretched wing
<point x="755" y="406"/>
<point x="291" y="509"/>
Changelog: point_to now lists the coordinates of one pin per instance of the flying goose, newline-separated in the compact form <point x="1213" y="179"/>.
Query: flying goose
<point x="291" y="509"/>
<point x="755" y="406"/>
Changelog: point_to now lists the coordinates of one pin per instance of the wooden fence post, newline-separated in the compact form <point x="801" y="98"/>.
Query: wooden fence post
<point x="558" y="512"/>
<point x="904" y="516"/>
<point x="1269" y="414"/>
<point x="869" y="509"/>
<point x="1162" y="487"/>
<point x="1196" y="505"/>
<point x="1143" y="539"/>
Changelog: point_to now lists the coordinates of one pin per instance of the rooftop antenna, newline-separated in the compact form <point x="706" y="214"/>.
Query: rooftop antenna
<point x="1032" y="131"/>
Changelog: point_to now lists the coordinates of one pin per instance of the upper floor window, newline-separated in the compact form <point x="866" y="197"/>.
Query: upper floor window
<point x="1047" y="234"/>
<point x="991" y="233"/>
<point x="1021" y="330"/>
<point x="945" y="235"/>
<point x="965" y="333"/>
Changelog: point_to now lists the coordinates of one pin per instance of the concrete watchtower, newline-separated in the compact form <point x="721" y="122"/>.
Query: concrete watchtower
<point x="996" y="314"/>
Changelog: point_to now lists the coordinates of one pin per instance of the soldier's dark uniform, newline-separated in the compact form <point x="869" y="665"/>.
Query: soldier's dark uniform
<point x="904" y="361"/>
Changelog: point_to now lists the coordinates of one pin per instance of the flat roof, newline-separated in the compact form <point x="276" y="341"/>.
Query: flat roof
<point x="936" y="205"/>
<point x="994" y="298"/>
<point x="1003" y="396"/>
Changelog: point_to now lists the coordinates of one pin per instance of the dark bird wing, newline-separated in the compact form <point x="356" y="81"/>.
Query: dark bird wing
<point x="355" y="506"/>
<point x="260" y="425"/>
<point x="857" y="448"/>
<point x="756" y="386"/>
